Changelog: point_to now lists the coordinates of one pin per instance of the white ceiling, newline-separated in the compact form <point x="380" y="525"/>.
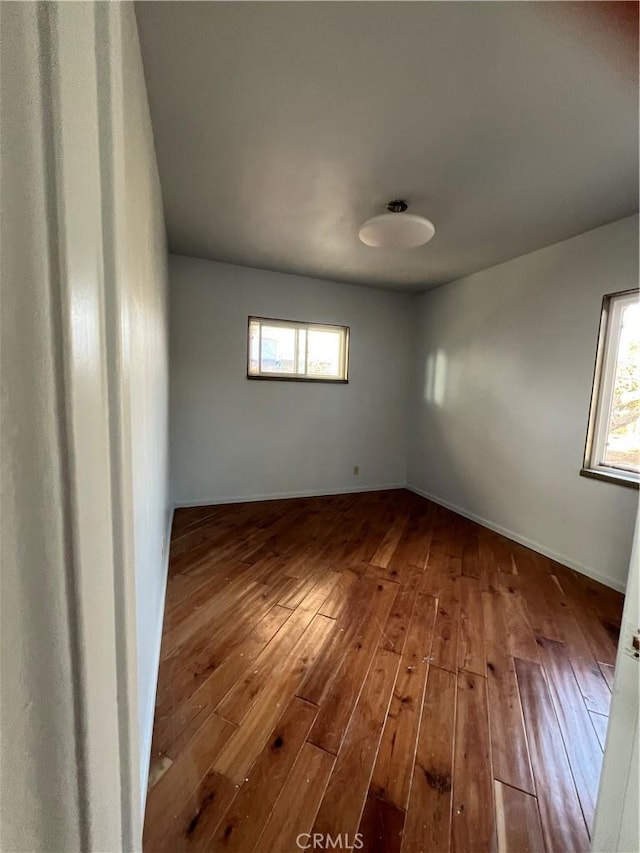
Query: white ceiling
<point x="281" y="127"/>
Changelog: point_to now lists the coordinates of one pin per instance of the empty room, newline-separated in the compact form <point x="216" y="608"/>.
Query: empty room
<point x="321" y="427"/>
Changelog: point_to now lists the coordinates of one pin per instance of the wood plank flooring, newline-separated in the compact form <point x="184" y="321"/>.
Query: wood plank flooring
<point x="374" y="664"/>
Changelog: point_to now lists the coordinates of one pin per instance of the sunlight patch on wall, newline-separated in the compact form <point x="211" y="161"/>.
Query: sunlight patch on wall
<point x="435" y="378"/>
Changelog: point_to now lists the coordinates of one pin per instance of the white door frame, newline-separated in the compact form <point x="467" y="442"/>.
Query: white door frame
<point x="82" y="42"/>
<point x="617" y="823"/>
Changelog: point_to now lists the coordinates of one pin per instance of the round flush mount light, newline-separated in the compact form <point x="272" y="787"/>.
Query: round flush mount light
<point x="397" y="229"/>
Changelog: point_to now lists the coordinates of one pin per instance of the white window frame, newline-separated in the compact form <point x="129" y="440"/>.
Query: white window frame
<point x="602" y="393"/>
<point x="298" y="326"/>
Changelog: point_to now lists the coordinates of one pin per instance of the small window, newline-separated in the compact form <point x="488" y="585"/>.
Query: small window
<point x="613" y="440"/>
<point x="306" y="352"/>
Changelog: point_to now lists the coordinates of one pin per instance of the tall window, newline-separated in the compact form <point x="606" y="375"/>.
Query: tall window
<point x="613" y="440"/>
<point x="282" y="349"/>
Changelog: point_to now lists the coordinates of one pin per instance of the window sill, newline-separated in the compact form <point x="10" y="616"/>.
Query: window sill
<point x="263" y="378"/>
<point x="620" y="478"/>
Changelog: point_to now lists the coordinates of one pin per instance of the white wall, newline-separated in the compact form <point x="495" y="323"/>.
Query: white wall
<point x="236" y="438"/>
<point x="141" y="273"/>
<point x="502" y="383"/>
<point x="84" y="427"/>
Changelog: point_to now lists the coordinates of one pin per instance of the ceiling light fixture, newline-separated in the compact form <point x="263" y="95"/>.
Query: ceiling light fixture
<point x="397" y="229"/>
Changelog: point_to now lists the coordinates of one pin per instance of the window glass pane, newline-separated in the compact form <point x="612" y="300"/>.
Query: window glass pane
<point x="278" y="351"/>
<point x="254" y="347"/>
<point x="323" y="356"/>
<point x="622" y="448"/>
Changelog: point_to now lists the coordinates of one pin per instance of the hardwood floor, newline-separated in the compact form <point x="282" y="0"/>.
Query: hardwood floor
<point x="375" y="664"/>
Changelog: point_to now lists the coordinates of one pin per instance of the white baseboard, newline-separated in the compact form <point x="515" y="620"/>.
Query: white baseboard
<point x="148" y="728"/>
<point x="522" y="540"/>
<point x="276" y="496"/>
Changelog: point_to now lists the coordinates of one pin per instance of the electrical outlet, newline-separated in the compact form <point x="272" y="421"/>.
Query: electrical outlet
<point x="356" y="470"/>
